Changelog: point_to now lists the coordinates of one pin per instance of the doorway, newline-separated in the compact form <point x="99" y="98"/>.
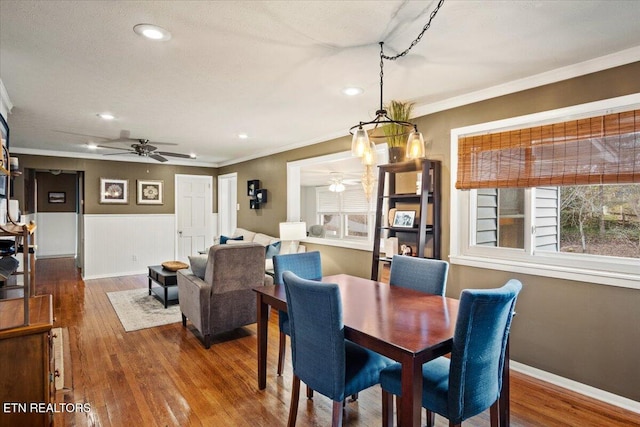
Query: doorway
<point x="57" y="208"/>
<point x="227" y="203"/>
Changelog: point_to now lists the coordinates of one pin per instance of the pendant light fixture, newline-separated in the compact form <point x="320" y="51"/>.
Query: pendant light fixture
<point x="366" y="131"/>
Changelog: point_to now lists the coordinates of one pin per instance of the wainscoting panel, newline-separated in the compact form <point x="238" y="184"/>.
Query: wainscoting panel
<point x="56" y="234"/>
<point x="120" y="245"/>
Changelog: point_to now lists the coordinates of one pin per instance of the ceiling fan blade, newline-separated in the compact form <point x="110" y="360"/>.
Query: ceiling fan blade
<point x="113" y="148"/>
<point x="117" y="154"/>
<point x="164" y="153"/>
<point x="158" y="157"/>
<point x="80" y="134"/>
<point x="162" y="143"/>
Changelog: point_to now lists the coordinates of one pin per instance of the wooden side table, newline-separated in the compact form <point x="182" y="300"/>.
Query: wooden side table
<point x="167" y="281"/>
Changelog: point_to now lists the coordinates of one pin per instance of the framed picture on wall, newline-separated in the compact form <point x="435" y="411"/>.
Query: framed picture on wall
<point x="57" y="197"/>
<point x="150" y="192"/>
<point x="115" y="191"/>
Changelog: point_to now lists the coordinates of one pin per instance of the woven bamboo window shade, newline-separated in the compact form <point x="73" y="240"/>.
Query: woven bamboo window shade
<point x="595" y="150"/>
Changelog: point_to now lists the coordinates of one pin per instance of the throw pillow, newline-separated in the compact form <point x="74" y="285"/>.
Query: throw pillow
<point x="272" y="249"/>
<point x="198" y="264"/>
<point x="223" y="239"/>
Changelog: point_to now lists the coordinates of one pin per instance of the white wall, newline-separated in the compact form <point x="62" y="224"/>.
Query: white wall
<point x="120" y="245"/>
<point x="56" y="234"/>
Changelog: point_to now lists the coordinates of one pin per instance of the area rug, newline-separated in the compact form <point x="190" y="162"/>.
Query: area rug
<point x="137" y="310"/>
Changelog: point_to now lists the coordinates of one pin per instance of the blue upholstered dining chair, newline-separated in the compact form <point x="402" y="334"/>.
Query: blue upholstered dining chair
<point x="304" y="264"/>
<point x="471" y="381"/>
<point x="321" y="356"/>
<point x="420" y="274"/>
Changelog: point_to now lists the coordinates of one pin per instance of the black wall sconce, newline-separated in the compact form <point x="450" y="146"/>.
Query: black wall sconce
<point x="258" y="195"/>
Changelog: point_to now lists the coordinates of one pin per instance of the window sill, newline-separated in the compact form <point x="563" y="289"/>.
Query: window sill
<point x="623" y="280"/>
<point x="349" y="244"/>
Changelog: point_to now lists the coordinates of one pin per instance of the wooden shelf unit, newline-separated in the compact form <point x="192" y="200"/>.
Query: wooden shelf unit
<point x="26" y="355"/>
<point x="424" y="236"/>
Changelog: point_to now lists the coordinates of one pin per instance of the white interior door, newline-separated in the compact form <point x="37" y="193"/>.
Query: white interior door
<point x="194" y="231"/>
<point x="227" y="203"/>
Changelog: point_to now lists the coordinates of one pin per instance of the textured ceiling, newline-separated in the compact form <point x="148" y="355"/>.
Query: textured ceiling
<point x="272" y="69"/>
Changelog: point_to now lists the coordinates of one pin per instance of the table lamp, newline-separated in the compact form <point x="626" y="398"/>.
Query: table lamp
<point x="293" y="231"/>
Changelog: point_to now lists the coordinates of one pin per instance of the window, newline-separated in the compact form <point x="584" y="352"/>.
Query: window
<point x="349" y="226"/>
<point x="554" y="194"/>
<point x="345" y="215"/>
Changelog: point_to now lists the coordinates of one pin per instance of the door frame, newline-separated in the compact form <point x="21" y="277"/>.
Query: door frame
<point x="228" y="190"/>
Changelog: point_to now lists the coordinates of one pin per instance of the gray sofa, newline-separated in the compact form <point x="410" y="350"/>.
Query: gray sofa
<point x="223" y="299"/>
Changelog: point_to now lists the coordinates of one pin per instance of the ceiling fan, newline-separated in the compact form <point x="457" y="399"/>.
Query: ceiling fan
<point x="140" y="146"/>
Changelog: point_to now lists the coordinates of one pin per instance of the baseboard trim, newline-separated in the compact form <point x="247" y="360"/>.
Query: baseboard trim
<point x="587" y="390"/>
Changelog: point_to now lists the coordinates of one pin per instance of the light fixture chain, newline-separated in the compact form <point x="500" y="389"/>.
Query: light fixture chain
<point x="417" y="40"/>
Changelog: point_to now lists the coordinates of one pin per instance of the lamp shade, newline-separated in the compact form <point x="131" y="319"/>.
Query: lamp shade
<point x="359" y="142"/>
<point x="415" y="146"/>
<point x="293" y="230"/>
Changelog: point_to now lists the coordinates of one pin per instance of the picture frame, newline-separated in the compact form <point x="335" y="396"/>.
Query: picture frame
<point x="404" y="219"/>
<point x="57" y="197"/>
<point x="150" y="192"/>
<point x="252" y="186"/>
<point x="114" y="191"/>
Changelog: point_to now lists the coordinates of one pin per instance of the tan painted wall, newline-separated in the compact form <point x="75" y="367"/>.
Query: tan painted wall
<point x="585" y="332"/>
<point x="65" y="182"/>
<point x="96" y="169"/>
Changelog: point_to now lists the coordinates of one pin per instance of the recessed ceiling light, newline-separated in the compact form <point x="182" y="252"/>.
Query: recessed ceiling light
<point x="152" y="32"/>
<point x="106" y="116"/>
<point x="192" y="155"/>
<point x="352" y="91"/>
<point x="92" y="146"/>
<point x="243" y="136"/>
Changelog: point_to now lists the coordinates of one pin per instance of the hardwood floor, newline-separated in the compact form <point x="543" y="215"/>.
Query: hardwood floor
<point x="163" y="376"/>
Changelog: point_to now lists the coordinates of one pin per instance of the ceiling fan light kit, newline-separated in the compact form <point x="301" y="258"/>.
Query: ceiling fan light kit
<point x="384" y="127"/>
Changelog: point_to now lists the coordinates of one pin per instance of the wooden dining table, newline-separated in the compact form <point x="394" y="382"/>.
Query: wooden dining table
<point x="407" y="326"/>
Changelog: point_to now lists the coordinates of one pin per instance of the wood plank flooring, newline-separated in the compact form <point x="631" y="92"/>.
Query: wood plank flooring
<point x="164" y="377"/>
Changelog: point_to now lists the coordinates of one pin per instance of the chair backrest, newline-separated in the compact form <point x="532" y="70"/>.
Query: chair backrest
<point x="317" y="334"/>
<point x="479" y="342"/>
<point x="235" y="267"/>
<point x="420" y="274"/>
<point x="306" y="265"/>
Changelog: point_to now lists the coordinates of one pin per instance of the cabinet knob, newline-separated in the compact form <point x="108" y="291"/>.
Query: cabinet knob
<point x="56" y="373"/>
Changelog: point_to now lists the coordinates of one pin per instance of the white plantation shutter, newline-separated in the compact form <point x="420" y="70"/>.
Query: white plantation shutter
<point x="354" y="200"/>
<point x="328" y="201"/>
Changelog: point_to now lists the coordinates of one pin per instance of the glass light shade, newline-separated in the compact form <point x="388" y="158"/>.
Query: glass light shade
<point x="415" y="146"/>
<point x="337" y="187"/>
<point x="369" y="156"/>
<point x="359" y="143"/>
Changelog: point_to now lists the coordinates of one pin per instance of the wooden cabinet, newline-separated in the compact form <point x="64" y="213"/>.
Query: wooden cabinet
<point x="410" y="192"/>
<point x="26" y="358"/>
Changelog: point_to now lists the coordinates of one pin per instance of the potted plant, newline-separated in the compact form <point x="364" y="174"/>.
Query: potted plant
<point x="396" y="135"/>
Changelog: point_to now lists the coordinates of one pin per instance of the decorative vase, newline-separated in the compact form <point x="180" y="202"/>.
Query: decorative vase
<point x="396" y="154"/>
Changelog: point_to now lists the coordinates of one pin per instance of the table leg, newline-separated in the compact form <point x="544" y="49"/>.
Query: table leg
<point x="149" y="283"/>
<point x="505" y="392"/>
<point x="166" y="296"/>
<point x="263" y="320"/>
<point x="411" y="393"/>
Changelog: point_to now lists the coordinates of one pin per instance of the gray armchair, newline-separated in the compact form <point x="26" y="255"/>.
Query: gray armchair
<point x="223" y="300"/>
